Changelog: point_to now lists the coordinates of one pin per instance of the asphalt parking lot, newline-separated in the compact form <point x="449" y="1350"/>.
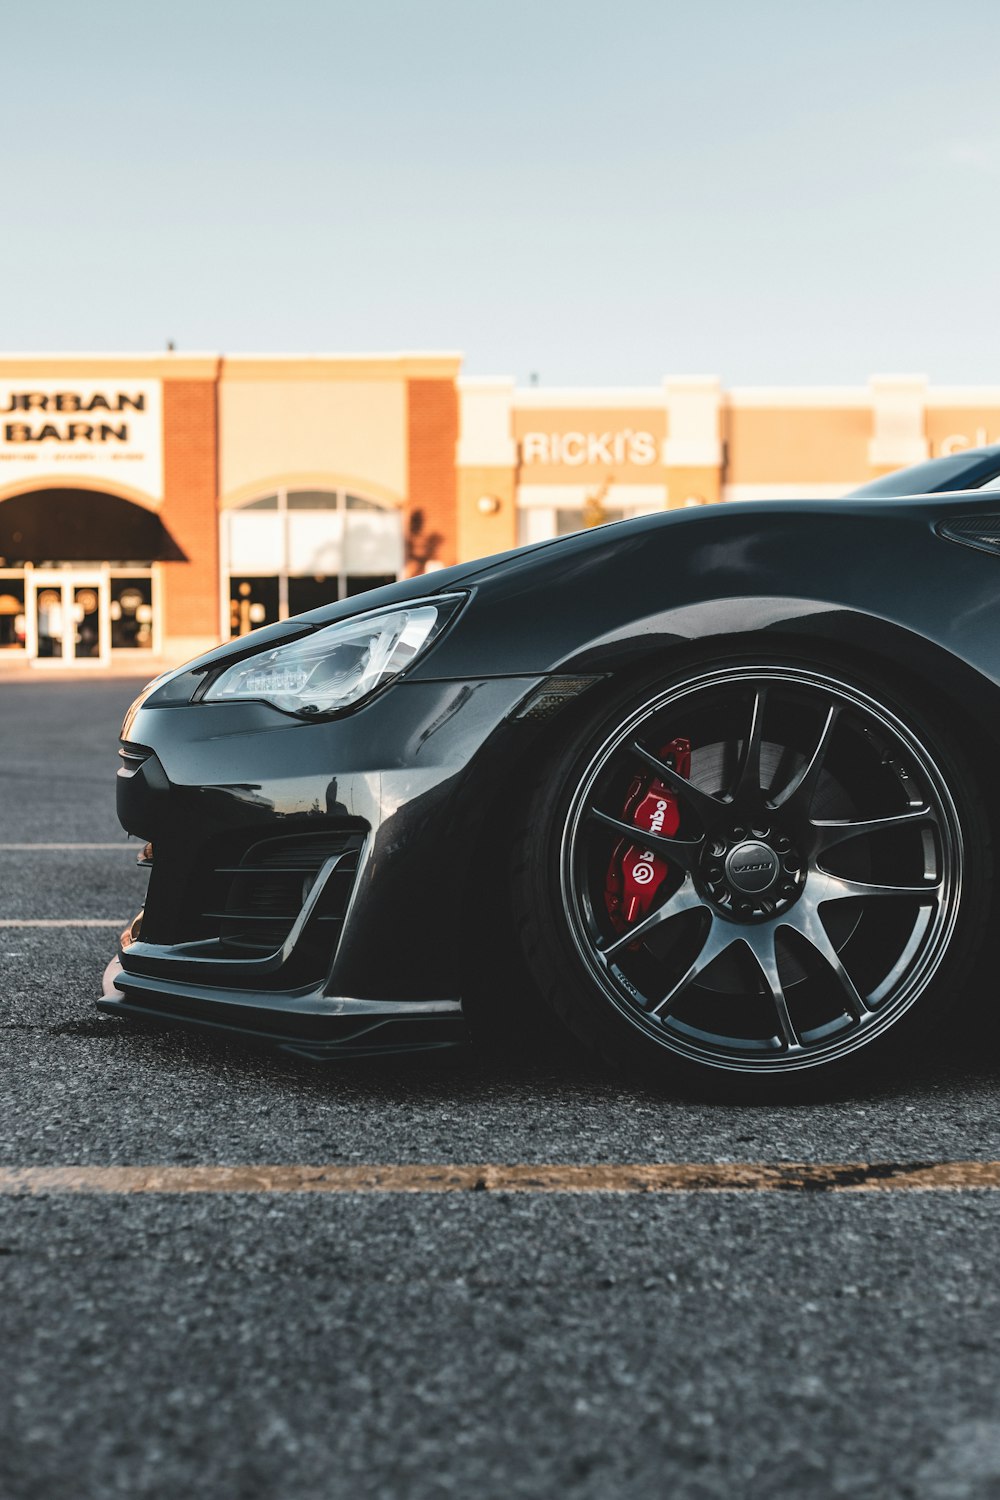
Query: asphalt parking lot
<point x="496" y="1343"/>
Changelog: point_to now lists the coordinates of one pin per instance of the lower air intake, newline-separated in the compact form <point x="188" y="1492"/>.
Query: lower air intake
<point x="252" y="904"/>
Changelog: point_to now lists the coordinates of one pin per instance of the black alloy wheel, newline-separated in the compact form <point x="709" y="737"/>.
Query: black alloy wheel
<point x="826" y="880"/>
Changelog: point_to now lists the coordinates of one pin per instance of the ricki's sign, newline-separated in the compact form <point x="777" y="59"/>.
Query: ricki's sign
<point x="108" y="431"/>
<point x="586" y="444"/>
<point x="624" y="445"/>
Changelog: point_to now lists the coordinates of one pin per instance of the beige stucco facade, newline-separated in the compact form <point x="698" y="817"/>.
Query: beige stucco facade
<point x="281" y="420"/>
<point x="581" y="455"/>
<point x="181" y="498"/>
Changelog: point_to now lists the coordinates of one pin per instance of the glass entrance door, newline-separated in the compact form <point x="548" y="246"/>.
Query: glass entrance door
<point x="68" y="617"/>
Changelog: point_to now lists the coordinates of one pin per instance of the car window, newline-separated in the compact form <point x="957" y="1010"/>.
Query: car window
<point x="922" y="479"/>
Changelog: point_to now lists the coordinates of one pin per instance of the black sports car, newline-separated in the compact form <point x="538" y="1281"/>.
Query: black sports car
<point x="717" y="787"/>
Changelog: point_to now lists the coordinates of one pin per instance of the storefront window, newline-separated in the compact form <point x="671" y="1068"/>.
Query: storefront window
<point x="13" y="622"/>
<point x="86" y="606"/>
<point x="568" y="521"/>
<point x="312" y="500"/>
<point x="131" y="613"/>
<point x="299" y="549"/>
<point x="540" y="523"/>
<point x="311" y="593"/>
<point x="50" y="624"/>
<point x="252" y="602"/>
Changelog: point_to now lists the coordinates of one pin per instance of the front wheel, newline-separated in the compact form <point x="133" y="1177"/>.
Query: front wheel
<point x="756" y="868"/>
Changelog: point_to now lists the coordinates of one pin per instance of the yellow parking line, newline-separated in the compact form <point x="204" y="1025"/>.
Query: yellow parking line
<point x="654" y="1177"/>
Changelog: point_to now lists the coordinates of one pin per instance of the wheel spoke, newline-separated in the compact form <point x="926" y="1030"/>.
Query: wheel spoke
<point x="681" y="852"/>
<point x="684" y="899"/>
<point x="829" y="887"/>
<point x="719" y="936"/>
<point x="748" y="776"/>
<point x="801" y="788"/>
<point x="806" y="920"/>
<point x="760" y="941"/>
<point x="829" y="834"/>
<point x="709" y="809"/>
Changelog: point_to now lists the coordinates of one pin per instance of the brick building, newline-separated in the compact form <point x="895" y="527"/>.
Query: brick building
<point x="151" y="504"/>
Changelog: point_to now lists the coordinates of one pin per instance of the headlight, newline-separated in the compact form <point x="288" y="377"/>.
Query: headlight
<point x="338" y="666"/>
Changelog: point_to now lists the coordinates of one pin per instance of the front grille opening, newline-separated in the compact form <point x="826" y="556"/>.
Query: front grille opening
<point x="244" y="898"/>
<point x="251" y="904"/>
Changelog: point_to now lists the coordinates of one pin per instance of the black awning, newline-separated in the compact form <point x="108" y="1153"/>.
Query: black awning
<point x="53" y="526"/>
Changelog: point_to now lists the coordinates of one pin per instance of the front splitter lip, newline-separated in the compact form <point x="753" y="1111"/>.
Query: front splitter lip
<point x="308" y="1024"/>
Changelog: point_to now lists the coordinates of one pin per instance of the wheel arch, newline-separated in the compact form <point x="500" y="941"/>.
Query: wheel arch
<point x="902" y="658"/>
<point x="905" y="664"/>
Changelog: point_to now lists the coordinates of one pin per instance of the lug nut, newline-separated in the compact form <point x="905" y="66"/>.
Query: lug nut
<point x="790" y="863"/>
<point x="789" y="889"/>
<point x="738" y="835"/>
<point x="783" y="845"/>
<point x="715" y="873"/>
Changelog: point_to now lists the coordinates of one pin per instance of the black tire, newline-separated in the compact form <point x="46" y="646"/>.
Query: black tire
<point x="861" y="943"/>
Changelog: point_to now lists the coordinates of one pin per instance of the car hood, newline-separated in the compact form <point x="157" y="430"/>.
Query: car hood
<point x="537" y="564"/>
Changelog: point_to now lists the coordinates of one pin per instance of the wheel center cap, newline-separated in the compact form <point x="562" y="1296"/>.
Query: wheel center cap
<point x="752" y="867"/>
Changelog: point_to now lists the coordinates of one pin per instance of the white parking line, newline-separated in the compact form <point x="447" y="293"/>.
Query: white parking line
<point x="63" y="922"/>
<point x="26" y="848"/>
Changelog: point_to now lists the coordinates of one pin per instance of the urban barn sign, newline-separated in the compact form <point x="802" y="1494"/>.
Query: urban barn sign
<point x="107" y="432"/>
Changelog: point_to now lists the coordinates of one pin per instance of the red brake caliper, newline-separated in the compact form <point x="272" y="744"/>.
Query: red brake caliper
<point x="635" y="873"/>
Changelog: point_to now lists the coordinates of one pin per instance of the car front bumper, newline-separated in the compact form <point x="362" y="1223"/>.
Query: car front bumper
<point x="310" y="881"/>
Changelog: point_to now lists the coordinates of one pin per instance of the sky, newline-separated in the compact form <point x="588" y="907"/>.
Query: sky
<point x="583" y="193"/>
